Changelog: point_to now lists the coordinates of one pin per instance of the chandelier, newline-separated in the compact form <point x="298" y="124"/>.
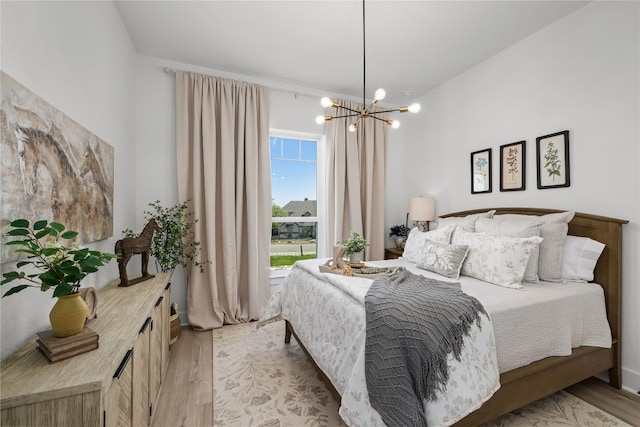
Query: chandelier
<point x="367" y="111"/>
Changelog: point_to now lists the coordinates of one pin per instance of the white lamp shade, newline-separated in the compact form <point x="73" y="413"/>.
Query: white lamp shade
<point x="422" y="209"/>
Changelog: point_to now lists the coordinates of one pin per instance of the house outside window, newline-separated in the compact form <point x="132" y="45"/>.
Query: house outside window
<point x="294" y="189"/>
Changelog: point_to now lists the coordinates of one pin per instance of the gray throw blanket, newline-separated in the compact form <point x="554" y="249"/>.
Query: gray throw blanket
<point x="413" y="323"/>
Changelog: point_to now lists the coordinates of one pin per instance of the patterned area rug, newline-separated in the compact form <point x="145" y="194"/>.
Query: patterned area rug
<point x="261" y="382"/>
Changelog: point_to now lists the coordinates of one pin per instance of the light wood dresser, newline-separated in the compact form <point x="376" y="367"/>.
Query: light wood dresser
<point x="115" y="385"/>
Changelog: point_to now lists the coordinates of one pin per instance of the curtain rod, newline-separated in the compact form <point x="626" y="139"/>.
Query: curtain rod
<point x="286" y="90"/>
<point x="169" y="70"/>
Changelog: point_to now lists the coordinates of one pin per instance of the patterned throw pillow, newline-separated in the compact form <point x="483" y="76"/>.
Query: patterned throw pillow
<point x="515" y="228"/>
<point x="496" y="259"/>
<point x="554" y="231"/>
<point x="443" y="259"/>
<point x="415" y="246"/>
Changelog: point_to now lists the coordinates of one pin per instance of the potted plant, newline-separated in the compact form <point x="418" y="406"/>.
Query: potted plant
<point x="172" y="245"/>
<point x="50" y="265"/>
<point x="399" y="234"/>
<point x="355" y="244"/>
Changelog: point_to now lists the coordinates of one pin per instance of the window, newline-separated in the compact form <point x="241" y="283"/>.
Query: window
<point x="294" y="184"/>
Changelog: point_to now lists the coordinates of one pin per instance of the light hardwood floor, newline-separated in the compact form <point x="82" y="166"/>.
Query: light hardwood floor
<point x="186" y="398"/>
<point x="623" y="404"/>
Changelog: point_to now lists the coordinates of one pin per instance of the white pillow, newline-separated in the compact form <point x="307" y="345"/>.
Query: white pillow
<point x="414" y="248"/>
<point x="496" y="259"/>
<point x="467" y="223"/>
<point x="515" y="228"/>
<point x="443" y="259"/>
<point x="580" y="257"/>
<point x="554" y="232"/>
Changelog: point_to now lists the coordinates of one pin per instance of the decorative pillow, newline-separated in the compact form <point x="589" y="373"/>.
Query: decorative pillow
<point x="496" y="259"/>
<point x="554" y="232"/>
<point x="443" y="258"/>
<point x="415" y="246"/>
<point x="467" y="223"/>
<point x="580" y="257"/>
<point x="515" y="228"/>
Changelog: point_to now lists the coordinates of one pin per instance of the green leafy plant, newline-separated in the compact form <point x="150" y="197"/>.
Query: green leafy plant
<point x="174" y="244"/>
<point x="355" y="243"/>
<point x="60" y="267"/>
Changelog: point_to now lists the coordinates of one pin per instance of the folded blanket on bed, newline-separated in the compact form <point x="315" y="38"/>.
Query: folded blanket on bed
<point x="412" y="324"/>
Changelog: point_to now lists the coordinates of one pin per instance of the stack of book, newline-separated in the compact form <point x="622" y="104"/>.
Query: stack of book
<point x="56" y="349"/>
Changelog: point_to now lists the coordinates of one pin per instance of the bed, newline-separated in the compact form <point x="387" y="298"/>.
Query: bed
<point x="517" y="386"/>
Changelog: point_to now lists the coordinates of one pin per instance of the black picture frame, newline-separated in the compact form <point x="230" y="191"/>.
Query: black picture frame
<point x="513" y="166"/>
<point x="552" y="160"/>
<point x="481" y="171"/>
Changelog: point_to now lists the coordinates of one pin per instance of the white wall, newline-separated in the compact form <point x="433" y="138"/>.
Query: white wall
<point x="79" y="58"/>
<point x="580" y="74"/>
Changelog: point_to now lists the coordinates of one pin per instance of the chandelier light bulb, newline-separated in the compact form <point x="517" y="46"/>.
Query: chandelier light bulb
<point x="353" y="127"/>
<point x="326" y="102"/>
<point x="380" y="94"/>
<point x="414" y="108"/>
<point x="320" y="120"/>
<point x="395" y="124"/>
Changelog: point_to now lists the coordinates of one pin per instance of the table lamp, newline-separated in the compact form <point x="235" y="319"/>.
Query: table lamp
<point x="422" y="210"/>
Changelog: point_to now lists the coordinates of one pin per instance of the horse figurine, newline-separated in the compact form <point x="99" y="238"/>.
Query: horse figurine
<point x="130" y="246"/>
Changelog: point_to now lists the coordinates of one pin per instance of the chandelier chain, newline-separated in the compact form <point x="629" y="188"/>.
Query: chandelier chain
<point x="364" y="57"/>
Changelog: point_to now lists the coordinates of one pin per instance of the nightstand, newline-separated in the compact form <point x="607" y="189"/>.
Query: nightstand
<point x="393" y="253"/>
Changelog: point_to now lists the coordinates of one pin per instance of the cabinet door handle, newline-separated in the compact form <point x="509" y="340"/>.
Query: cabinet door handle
<point x="168" y="286"/>
<point x="123" y="364"/>
<point x="159" y="301"/>
<point x="146" y="324"/>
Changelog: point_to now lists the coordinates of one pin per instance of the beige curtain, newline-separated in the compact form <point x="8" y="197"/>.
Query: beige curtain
<point x="356" y="181"/>
<point x="222" y="137"/>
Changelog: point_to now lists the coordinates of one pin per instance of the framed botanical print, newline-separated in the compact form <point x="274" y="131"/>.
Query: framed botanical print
<point x="512" y="166"/>
<point x="552" y="160"/>
<point x="481" y="171"/>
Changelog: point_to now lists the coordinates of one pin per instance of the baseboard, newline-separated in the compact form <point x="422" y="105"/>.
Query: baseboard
<point x="630" y="380"/>
<point x="184" y="319"/>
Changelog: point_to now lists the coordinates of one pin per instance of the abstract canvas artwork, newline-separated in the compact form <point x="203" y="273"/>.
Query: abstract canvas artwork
<point x="52" y="168"/>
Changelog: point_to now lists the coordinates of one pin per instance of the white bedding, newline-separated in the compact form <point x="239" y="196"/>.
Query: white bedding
<point x="544" y="320"/>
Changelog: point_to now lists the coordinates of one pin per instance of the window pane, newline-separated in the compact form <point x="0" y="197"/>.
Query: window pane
<point x="292" y="242"/>
<point x="276" y="146"/>
<point x="292" y="180"/>
<point x="293" y="188"/>
<point x="291" y="149"/>
<point x="309" y="150"/>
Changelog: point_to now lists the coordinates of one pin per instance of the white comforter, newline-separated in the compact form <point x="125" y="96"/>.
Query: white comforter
<point x="546" y="319"/>
<point x="330" y="320"/>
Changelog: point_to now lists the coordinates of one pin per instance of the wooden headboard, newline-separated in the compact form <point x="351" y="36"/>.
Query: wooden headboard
<point x="608" y="272"/>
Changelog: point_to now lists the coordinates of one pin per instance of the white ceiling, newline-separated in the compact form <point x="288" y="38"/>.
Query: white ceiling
<point x="411" y="46"/>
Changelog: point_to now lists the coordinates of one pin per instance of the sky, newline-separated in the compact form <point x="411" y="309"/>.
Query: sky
<point x="293" y="169"/>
